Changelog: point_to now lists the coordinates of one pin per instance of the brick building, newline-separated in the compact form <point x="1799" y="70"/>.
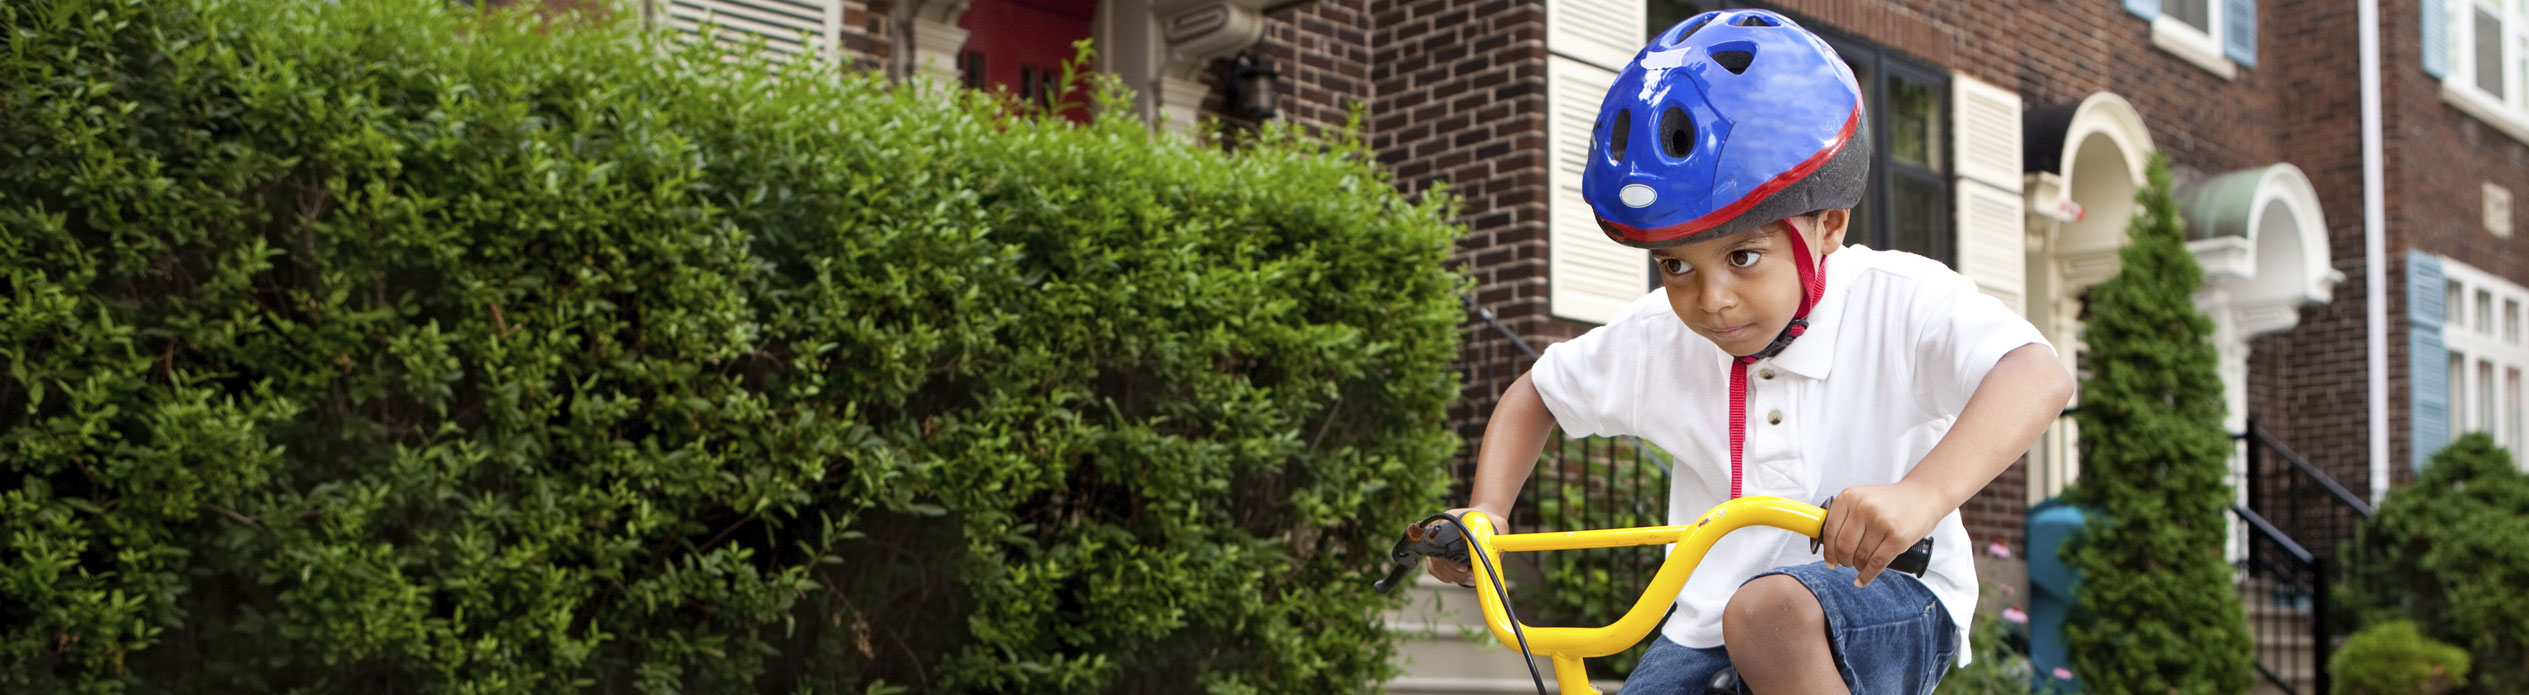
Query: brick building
<point x="2011" y="139"/>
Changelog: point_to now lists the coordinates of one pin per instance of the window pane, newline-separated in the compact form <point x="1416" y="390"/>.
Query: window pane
<point x="2511" y="410"/>
<point x="2458" y="389"/>
<point x="2454" y="308"/>
<point x="1914" y="123"/>
<point x="2511" y="321"/>
<point x="2484" y="312"/>
<point x="2485" y="397"/>
<point x="2196" y="13"/>
<point x="1914" y="207"/>
<point x="2489" y="52"/>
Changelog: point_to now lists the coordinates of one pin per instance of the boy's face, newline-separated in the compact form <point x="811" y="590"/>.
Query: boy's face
<point x="1740" y="291"/>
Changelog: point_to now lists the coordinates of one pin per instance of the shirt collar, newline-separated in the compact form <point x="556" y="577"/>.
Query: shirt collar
<point x="1812" y="355"/>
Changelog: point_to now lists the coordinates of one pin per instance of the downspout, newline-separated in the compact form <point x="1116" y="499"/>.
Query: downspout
<point x="2374" y="245"/>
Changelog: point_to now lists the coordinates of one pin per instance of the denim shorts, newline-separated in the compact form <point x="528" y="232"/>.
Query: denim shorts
<point x="1890" y="638"/>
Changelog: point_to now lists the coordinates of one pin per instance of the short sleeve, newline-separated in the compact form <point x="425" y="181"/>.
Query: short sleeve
<point x="1961" y="334"/>
<point x="1587" y="381"/>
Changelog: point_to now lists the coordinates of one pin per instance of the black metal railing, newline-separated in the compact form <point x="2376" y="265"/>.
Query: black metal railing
<point x="2296" y="517"/>
<point x="1579" y="483"/>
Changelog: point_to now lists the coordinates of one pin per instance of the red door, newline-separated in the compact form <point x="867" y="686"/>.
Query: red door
<point x="1020" y="46"/>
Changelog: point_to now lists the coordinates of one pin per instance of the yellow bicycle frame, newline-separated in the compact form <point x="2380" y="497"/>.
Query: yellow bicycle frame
<point x="1567" y="646"/>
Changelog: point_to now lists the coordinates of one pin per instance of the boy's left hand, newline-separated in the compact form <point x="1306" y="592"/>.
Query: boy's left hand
<point x="1869" y="525"/>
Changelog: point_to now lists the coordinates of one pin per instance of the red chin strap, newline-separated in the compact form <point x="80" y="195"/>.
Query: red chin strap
<point x="1812" y="284"/>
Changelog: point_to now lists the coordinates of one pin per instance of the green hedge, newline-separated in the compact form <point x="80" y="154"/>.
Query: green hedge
<point x="2450" y="551"/>
<point x="384" y="347"/>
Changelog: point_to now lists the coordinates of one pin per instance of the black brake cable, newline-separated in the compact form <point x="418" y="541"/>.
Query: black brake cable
<point x="1501" y="591"/>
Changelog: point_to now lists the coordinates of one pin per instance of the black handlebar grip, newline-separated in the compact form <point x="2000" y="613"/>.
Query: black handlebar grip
<point x="1915" y="560"/>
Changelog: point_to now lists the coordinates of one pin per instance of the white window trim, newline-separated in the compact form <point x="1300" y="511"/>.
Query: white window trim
<point x="2474" y="345"/>
<point x="2510" y="113"/>
<point x="2197" y="46"/>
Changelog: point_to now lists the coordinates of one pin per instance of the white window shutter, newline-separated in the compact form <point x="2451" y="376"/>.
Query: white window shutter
<point x="1991" y="212"/>
<point x="778" y="22"/>
<point x="1591" y="278"/>
<point x="1605" y="33"/>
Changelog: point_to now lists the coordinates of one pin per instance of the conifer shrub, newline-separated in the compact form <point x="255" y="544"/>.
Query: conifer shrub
<point x="2156" y="611"/>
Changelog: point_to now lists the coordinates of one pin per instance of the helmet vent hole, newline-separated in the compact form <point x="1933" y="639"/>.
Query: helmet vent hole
<point x="1734" y="61"/>
<point x="1677" y="132"/>
<point x="1692" y="26"/>
<point x="1616" y="137"/>
<point x="1754" y="20"/>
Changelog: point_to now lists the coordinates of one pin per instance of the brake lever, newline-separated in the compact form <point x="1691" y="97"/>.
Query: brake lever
<point x="1442" y="540"/>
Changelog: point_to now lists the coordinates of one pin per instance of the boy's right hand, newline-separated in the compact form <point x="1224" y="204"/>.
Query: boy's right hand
<point x="1459" y="573"/>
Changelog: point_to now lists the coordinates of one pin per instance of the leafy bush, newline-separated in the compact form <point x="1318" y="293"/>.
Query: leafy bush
<point x="2394" y="658"/>
<point x="2451" y="551"/>
<point x="2155" y="610"/>
<point x="387" y="347"/>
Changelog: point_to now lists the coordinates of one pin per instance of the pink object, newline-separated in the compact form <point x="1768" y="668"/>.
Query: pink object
<point x="2063" y="674"/>
<point x="2015" y="615"/>
<point x="1998" y="549"/>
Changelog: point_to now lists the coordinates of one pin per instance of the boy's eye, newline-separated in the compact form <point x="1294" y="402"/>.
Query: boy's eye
<point x="1743" y="258"/>
<point x="1672" y="266"/>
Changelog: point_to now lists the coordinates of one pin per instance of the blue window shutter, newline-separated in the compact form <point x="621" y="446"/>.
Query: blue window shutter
<point x="2428" y="361"/>
<point x="2239" y="31"/>
<point x="2147" y="9"/>
<point x="2436" y="38"/>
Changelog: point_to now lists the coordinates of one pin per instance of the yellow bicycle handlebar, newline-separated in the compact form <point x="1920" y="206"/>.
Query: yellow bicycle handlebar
<point x="1567" y="646"/>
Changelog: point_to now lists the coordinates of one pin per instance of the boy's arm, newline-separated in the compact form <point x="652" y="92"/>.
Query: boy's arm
<point x="1513" y="437"/>
<point x="1869" y="525"/>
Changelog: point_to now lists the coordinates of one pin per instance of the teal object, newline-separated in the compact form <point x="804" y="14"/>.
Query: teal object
<point x="2051" y="581"/>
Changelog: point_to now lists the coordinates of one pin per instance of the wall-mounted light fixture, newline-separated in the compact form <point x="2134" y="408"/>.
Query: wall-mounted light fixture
<point x="1251" y="86"/>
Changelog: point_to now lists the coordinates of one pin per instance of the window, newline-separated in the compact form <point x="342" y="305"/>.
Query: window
<point x="2219" y="36"/>
<point x="1908" y="205"/>
<point x="2486" y="364"/>
<point x="2483" y="60"/>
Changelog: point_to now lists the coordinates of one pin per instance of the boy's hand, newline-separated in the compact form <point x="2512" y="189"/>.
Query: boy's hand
<point x="1461" y="574"/>
<point x="1870" y="525"/>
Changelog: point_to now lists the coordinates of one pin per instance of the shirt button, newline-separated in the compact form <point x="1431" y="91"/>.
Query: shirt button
<point x="1765" y="374"/>
<point x="1774" y="418"/>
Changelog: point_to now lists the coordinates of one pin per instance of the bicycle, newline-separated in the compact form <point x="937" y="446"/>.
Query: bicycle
<point x="1566" y="647"/>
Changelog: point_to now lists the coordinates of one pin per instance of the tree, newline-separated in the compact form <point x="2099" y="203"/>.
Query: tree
<point x="2155" y="610"/>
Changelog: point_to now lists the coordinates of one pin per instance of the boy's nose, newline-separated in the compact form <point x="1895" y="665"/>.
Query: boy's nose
<point x="1714" y="297"/>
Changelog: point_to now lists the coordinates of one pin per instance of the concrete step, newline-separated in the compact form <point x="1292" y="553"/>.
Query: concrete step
<point x="1443" y="648"/>
<point x="1433" y="602"/>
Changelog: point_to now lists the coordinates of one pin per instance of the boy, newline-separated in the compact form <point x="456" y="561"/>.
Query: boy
<point x="1734" y="148"/>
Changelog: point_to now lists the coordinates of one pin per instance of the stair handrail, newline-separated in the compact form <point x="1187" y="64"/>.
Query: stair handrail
<point x="2303" y="466"/>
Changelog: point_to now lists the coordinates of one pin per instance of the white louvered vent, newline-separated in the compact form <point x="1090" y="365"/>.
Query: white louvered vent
<point x="1592" y="278"/>
<point x="1605" y="33"/>
<point x="1991" y="249"/>
<point x="779" y="22"/>
<point x="1988" y="131"/>
<point x="1992" y="215"/>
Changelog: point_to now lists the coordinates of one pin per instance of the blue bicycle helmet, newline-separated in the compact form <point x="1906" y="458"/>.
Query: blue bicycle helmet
<point x="1726" y="121"/>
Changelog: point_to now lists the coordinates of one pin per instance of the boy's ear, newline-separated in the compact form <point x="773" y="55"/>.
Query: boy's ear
<point x="1830" y="227"/>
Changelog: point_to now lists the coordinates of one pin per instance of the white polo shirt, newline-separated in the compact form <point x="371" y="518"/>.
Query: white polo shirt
<point x="1895" y="346"/>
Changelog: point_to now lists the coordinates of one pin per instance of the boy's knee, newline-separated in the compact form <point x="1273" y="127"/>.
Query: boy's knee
<point x="1773" y="604"/>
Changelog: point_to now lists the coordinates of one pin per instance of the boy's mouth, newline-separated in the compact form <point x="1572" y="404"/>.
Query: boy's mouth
<point x="1730" y="333"/>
